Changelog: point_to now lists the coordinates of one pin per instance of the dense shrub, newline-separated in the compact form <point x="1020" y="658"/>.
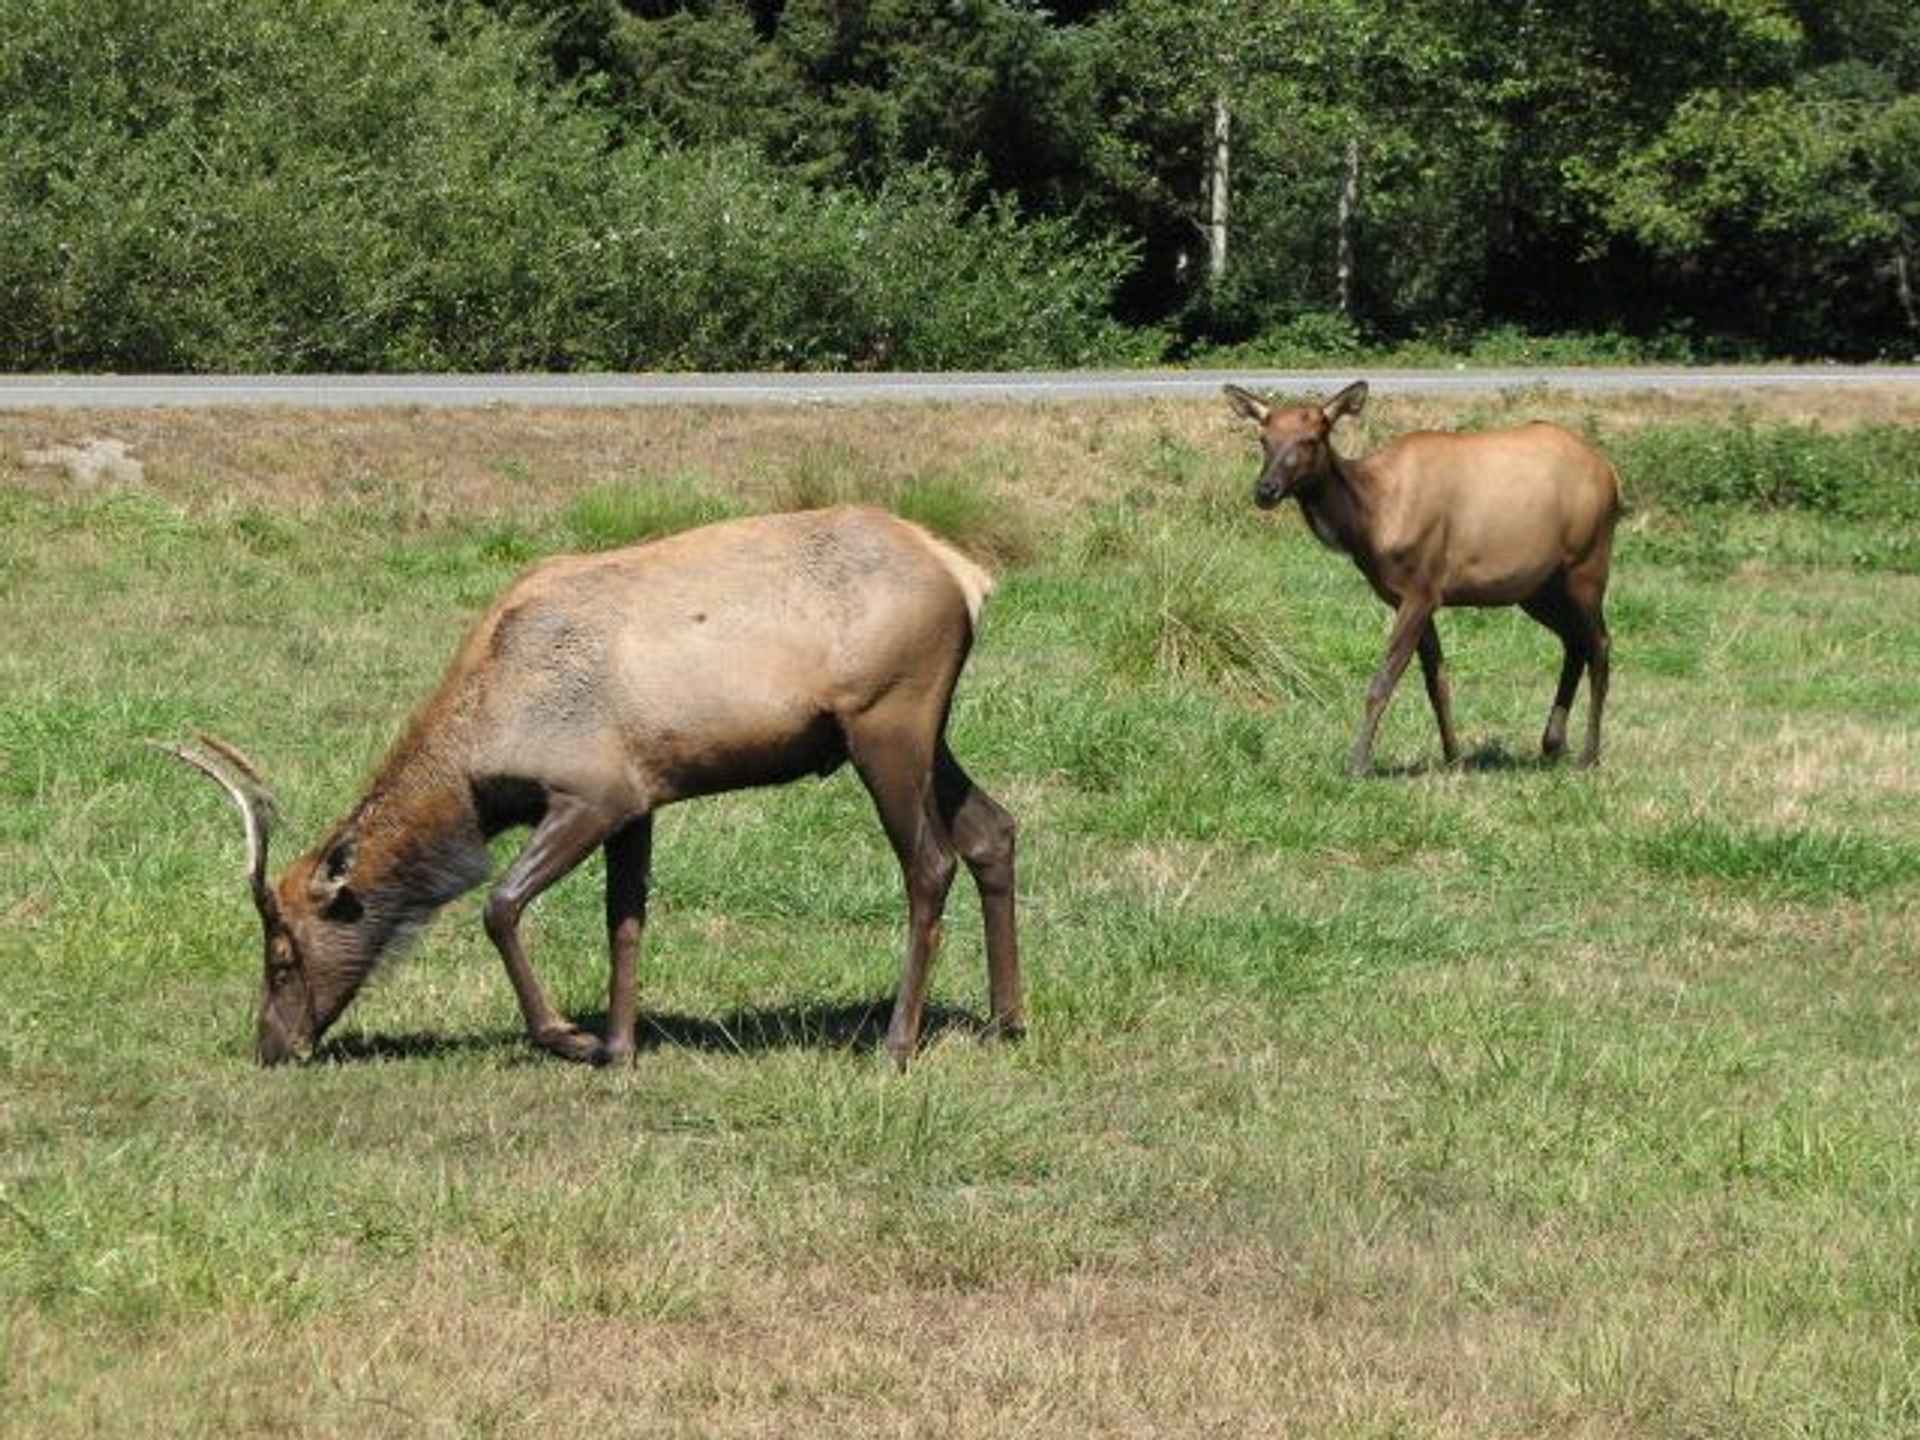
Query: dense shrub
<point x="247" y="185"/>
<point x="1872" y="473"/>
<point x="722" y="262"/>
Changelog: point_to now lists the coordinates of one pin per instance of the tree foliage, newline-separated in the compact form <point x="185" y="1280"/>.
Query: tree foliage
<point x="244" y="185"/>
<point x="574" y="183"/>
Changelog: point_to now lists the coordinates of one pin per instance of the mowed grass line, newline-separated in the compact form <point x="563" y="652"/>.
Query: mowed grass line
<point x="1487" y="1102"/>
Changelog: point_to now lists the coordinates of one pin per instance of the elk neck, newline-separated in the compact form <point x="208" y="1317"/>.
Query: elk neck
<point x="1339" y="508"/>
<point x="417" y="833"/>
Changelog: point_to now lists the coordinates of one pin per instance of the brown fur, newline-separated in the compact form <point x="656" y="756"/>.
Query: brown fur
<point x="601" y="687"/>
<point x="1522" y="516"/>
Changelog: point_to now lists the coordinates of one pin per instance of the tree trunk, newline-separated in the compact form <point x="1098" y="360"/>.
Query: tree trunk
<point x="1219" y="152"/>
<point x="1903" y="287"/>
<point x="1349" y="202"/>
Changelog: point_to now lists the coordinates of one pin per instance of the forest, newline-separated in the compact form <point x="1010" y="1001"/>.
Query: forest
<point x="205" y="185"/>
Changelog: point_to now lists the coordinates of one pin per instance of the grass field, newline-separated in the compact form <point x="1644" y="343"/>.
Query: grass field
<point x="1491" y="1102"/>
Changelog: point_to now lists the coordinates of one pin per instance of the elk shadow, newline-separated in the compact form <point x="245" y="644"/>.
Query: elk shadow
<point x="1490" y="758"/>
<point x="409" y="1045"/>
<point x="858" y="1027"/>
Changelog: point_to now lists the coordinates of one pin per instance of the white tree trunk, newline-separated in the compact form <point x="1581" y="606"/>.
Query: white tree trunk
<point x="1219" y="152"/>
<point x="1903" y="287"/>
<point x="1349" y="203"/>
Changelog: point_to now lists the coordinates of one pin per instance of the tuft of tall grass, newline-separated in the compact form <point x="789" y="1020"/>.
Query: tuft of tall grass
<point x="627" y="512"/>
<point x="959" y="508"/>
<point x="815" y="476"/>
<point x="1196" y="614"/>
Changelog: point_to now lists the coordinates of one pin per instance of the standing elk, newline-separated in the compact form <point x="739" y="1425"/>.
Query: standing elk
<point x="1522" y="516"/>
<point x="601" y="687"/>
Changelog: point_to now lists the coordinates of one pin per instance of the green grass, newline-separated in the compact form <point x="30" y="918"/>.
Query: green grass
<point x="1497" y="1101"/>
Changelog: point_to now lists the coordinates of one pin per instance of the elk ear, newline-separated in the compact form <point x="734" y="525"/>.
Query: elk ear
<point x="1247" y="403"/>
<point x="329" y="882"/>
<point x="1350" y="401"/>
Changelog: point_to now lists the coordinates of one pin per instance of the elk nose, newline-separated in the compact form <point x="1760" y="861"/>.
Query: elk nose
<point x="272" y="1045"/>
<point x="1267" y="494"/>
<point x="270" y="1048"/>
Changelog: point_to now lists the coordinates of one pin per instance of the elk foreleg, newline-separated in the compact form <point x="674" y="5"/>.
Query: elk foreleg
<point x="1439" y="693"/>
<point x="983" y="833"/>
<point x="564" y="837"/>
<point x="629" y="855"/>
<point x="1409" y="622"/>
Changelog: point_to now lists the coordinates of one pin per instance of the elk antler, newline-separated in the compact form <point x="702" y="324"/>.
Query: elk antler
<point x="242" y="782"/>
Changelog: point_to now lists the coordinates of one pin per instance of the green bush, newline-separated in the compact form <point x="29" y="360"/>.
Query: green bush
<point x="725" y="263"/>
<point x="246" y="185"/>
<point x="1872" y="473"/>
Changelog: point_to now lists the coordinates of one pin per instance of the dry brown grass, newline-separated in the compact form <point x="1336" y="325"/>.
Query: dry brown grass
<point x="1370" y="1339"/>
<point x="502" y="460"/>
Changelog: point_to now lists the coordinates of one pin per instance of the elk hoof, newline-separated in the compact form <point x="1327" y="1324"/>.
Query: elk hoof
<point x="613" y="1055"/>
<point x="1003" y="1031"/>
<point x="1553" y="742"/>
<point x="570" y="1042"/>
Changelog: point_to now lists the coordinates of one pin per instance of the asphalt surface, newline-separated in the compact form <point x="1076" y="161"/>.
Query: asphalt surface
<point x="19" y="392"/>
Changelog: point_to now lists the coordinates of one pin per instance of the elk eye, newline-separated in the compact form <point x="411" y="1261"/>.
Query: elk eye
<point x="344" y="908"/>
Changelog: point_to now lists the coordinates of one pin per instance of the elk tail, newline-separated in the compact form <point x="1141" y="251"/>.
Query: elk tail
<point x="974" y="582"/>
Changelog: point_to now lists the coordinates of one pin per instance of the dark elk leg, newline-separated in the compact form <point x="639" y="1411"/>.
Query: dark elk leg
<point x="1587" y="604"/>
<point x="983" y="833"/>
<point x="1409" y="621"/>
<point x="1439" y="693"/>
<point x="1554" y="609"/>
<point x="1553" y="742"/>
<point x="629" y="859"/>
<point x="562" y="839"/>
<point x="893" y="749"/>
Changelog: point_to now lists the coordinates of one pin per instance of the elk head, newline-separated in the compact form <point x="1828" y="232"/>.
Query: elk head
<point x="312" y="955"/>
<point x="1295" y="441"/>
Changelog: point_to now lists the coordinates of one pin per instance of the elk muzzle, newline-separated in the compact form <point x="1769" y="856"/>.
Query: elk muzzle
<point x="288" y="1027"/>
<point x="279" y="1040"/>
<point x="1282" y="473"/>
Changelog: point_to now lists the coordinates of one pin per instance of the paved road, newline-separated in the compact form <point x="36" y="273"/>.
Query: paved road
<point x="120" y="392"/>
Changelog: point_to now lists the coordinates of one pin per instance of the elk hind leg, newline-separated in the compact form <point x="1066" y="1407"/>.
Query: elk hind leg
<point x="1554" y="609"/>
<point x="629" y="853"/>
<point x="1590" y="615"/>
<point x="1439" y="692"/>
<point x="892" y="747"/>
<point x="983" y="833"/>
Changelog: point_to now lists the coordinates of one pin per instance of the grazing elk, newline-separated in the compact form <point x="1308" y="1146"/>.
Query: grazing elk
<point x="1500" y="517"/>
<point x="601" y="687"/>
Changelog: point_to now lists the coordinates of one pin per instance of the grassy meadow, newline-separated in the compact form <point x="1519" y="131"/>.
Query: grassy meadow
<point x="1495" y="1101"/>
